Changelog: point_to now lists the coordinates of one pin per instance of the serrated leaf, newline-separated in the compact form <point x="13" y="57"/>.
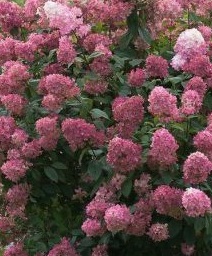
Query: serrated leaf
<point x="51" y="173"/>
<point x="98" y="113"/>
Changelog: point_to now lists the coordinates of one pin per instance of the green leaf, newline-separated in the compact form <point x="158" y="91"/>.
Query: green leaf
<point x="95" y="169"/>
<point x="98" y="113"/>
<point x="95" y="55"/>
<point x="174" y="228"/>
<point x="199" y="224"/>
<point x="189" y="235"/>
<point x="135" y="62"/>
<point x="59" y="166"/>
<point x="87" y="242"/>
<point x="145" y="34"/>
<point x="51" y="173"/>
<point x="127" y="187"/>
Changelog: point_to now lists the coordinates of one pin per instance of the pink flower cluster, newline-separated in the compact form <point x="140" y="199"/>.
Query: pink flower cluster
<point x="57" y="88"/>
<point x="48" y="131"/>
<point x="93" y="227"/>
<point x="163" y="149"/>
<point x="196" y="202"/>
<point x="158" y="232"/>
<point x="196" y="168"/>
<point x="156" y="66"/>
<point x="117" y="218"/>
<point x="123" y="155"/>
<point x="66" y="52"/>
<point x="16" y="198"/>
<point x="128" y="112"/>
<point x="163" y="104"/>
<point x="79" y="133"/>
<point x="15" y="249"/>
<point x="168" y="201"/>
<point x="63" y="248"/>
<point x="100" y="250"/>
<point x="136" y="77"/>
<point x="96" y="87"/>
<point x="15" y="169"/>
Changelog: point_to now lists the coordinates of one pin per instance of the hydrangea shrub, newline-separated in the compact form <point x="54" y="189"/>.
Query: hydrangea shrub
<point x="106" y="127"/>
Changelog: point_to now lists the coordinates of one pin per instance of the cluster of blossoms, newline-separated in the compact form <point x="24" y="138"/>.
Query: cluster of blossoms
<point x="63" y="248"/>
<point x="168" y="201"/>
<point x="59" y="62"/>
<point x="128" y="112"/>
<point x="196" y="202"/>
<point x="163" y="104"/>
<point x="78" y="133"/>
<point x="56" y="88"/>
<point x="123" y="155"/>
<point x="163" y="149"/>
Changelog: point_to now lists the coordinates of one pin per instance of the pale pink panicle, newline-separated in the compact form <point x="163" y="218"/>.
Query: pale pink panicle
<point x="15" y="249"/>
<point x="31" y="7"/>
<point x="195" y="202"/>
<point x="7" y="51"/>
<point x="14" y="154"/>
<point x="78" y="133"/>
<point x="203" y="142"/>
<point x="168" y="201"/>
<point x="107" y="12"/>
<point x="52" y="102"/>
<point x="100" y="250"/>
<point x="169" y="9"/>
<point x="158" y="232"/>
<point x="15" y="169"/>
<point x="191" y="102"/>
<point x="197" y="84"/>
<point x="63" y="17"/>
<point x="96" y="87"/>
<point x="136" y="77"/>
<point x="93" y="227"/>
<point x="10" y="16"/>
<point x="117" y="218"/>
<point x="178" y="61"/>
<point x="103" y="50"/>
<point x="46" y="126"/>
<point x="14" y="103"/>
<point x="16" y="198"/>
<point x="66" y="52"/>
<point x="189" y="43"/>
<point x="97" y="208"/>
<point x="63" y="248"/>
<point x="163" y="149"/>
<point x="128" y="109"/>
<point x="117" y="181"/>
<point x="206" y="32"/>
<point x="163" y="104"/>
<point x="187" y="250"/>
<point x="101" y="66"/>
<point x="199" y="65"/>
<point x="141" y="217"/>
<point x="156" y="66"/>
<point x="31" y="149"/>
<point x="124" y="155"/>
<point x="196" y="168"/>
<point x="19" y="137"/>
<point x="6" y="224"/>
<point x="141" y="185"/>
<point x="92" y="40"/>
<point x="7" y="128"/>
<point x="54" y="68"/>
<point x="58" y="86"/>
<point x="49" y="142"/>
